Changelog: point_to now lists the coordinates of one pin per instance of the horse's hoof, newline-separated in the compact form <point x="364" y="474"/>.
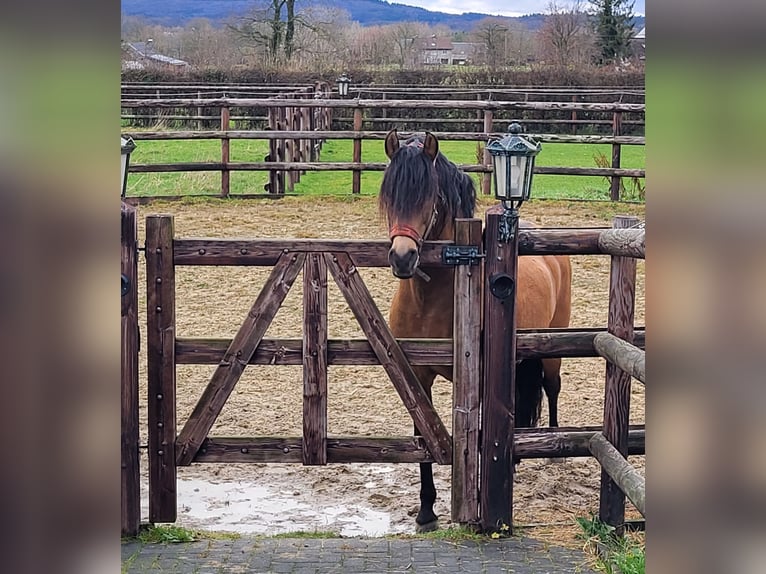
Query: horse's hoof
<point x="427" y="527"/>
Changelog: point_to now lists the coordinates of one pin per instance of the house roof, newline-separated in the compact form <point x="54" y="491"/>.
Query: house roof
<point x="435" y="43"/>
<point x="641" y="34"/>
<point x="146" y="50"/>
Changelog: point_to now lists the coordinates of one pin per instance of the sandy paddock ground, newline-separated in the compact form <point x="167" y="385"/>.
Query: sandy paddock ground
<point x="212" y="302"/>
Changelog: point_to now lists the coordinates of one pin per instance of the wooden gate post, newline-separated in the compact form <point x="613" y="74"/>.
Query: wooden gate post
<point x="161" y="367"/>
<point x="614" y="190"/>
<point x="130" y="486"/>
<point x="486" y="178"/>
<point x="225" y="174"/>
<point x="622" y="298"/>
<point x="356" y="183"/>
<point x="499" y="357"/>
<point x="466" y="379"/>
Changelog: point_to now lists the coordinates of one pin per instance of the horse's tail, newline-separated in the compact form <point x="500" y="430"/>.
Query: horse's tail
<point x="529" y="392"/>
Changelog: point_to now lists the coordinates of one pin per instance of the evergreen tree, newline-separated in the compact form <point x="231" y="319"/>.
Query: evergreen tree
<point x="613" y="23"/>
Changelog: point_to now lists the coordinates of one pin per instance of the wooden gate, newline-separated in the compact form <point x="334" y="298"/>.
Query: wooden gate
<point x="169" y="448"/>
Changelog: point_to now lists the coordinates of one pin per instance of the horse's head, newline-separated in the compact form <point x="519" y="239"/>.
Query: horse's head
<point x="409" y="198"/>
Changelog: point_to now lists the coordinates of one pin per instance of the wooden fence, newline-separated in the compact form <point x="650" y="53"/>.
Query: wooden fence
<point x="297" y="127"/>
<point x="489" y="504"/>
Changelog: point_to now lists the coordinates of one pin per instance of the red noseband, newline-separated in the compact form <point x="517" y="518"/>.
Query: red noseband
<point x="400" y="230"/>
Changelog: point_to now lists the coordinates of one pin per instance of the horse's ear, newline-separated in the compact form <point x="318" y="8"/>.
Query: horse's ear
<point x="392" y="143"/>
<point x="431" y="146"/>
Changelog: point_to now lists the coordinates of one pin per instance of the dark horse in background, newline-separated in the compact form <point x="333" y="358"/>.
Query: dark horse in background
<point x="421" y="195"/>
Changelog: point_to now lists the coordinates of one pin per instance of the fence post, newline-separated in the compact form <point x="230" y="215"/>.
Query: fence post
<point x="315" y="359"/>
<point x="356" y="184"/>
<point x="499" y="374"/>
<point x="466" y="380"/>
<point x="225" y="174"/>
<point x="161" y="367"/>
<point x="574" y="116"/>
<point x="130" y="484"/>
<point x="486" y="178"/>
<point x="614" y="191"/>
<point x="622" y="296"/>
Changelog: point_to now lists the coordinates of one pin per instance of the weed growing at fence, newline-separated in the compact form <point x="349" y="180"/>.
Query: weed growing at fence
<point x="614" y="555"/>
<point x="165" y="534"/>
<point x="339" y="182"/>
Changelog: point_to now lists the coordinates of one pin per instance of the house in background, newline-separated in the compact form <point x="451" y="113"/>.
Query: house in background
<point x="141" y="55"/>
<point x="434" y="51"/>
<point x="638" y="43"/>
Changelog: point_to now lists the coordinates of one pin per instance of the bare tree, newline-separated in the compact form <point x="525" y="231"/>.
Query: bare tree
<point x="564" y="35"/>
<point x="270" y="27"/>
<point x="404" y="36"/>
<point x="493" y="32"/>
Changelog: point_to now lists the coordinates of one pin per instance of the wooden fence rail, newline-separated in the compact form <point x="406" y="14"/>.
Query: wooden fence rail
<point x="298" y="126"/>
<point x="629" y="358"/>
<point x="620" y="471"/>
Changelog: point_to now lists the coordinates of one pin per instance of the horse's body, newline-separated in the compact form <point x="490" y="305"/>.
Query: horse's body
<point x="421" y="195"/>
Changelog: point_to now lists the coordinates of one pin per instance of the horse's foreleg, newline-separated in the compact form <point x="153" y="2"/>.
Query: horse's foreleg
<point x="552" y="387"/>
<point x="426" y="520"/>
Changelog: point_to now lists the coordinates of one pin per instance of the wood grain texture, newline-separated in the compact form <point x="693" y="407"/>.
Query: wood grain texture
<point x="530" y="343"/>
<point x="625" y="242"/>
<point x="315" y="360"/>
<point x="627" y="357"/>
<point x="499" y="358"/>
<point x="391" y="356"/>
<point x="130" y="496"/>
<point x="356" y="176"/>
<point x="622" y="295"/>
<point x="620" y="471"/>
<point x="225" y="176"/>
<point x="237" y="356"/>
<point x="161" y="369"/>
<point x="466" y="383"/>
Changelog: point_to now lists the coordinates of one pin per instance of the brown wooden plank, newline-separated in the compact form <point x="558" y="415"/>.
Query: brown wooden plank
<point x="466" y="380"/>
<point x="315" y="360"/>
<point x="161" y="371"/>
<point x="391" y="356"/>
<point x="530" y="343"/>
<point x="628" y="357"/>
<point x="562" y="442"/>
<point x="498" y="393"/>
<point x="620" y="470"/>
<point x="559" y="241"/>
<point x="339" y="450"/>
<point x="529" y="443"/>
<point x="365" y="253"/>
<point x="486" y="179"/>
<point x="237" y="356"/>
<point x="130" y="495"/>
<point x="622" y="295"/>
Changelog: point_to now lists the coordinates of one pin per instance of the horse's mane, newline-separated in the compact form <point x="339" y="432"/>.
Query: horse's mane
<point x="412" y="184"/>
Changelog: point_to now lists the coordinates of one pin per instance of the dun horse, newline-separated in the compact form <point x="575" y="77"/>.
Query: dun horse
<point x="421" y="195"/>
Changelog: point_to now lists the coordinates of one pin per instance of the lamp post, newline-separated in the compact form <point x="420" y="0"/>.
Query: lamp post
<point x="126" y="148"/>
<point x="343" y="83"/>
<point x="513" y="159"/>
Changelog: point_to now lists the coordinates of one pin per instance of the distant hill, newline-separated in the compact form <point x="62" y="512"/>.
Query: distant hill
<point x="366" y="12"/>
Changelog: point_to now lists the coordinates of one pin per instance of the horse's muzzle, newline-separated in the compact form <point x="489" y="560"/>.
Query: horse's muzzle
<point x="403" y="264"/>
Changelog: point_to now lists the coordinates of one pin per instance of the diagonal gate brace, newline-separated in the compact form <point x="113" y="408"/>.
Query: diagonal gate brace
<point x="237" y="356"/>
<point x="391" y="356"/>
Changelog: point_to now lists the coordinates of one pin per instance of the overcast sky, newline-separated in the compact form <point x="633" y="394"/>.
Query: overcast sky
<point x="499" y="7"/>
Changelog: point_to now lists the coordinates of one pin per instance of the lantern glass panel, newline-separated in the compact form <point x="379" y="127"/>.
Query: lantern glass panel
<point x="501" y="175"/>
<point x="517" y="177"/>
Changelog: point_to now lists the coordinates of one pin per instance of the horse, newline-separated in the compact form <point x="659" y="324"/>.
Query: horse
<point x="421" y="195"/>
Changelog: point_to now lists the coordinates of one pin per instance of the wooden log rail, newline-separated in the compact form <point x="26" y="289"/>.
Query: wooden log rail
<point x="368" y="135"/>
<point x="530" y="443"/>
<point x="627" y="357"/>
<point x="531" y="344"/>
<point x="623" y="242"/>
<point x="620" y="471"/>
<point x="369" y="253"/>
<point x="379" y="104"/>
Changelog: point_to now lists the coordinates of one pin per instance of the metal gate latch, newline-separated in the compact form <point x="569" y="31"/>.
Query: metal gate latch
<point x="461" y="255"/>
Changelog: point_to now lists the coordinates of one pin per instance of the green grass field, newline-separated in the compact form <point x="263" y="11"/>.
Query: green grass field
<point x="339" y="183"/>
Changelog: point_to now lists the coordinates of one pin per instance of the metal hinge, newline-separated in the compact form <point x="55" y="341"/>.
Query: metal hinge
<point x="461" y="255"/>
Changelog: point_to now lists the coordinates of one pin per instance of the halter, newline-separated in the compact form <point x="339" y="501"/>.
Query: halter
<point x="403" y="230"/>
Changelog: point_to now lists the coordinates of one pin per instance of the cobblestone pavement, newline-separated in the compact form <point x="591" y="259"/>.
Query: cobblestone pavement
<point x="351" y="556"/>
